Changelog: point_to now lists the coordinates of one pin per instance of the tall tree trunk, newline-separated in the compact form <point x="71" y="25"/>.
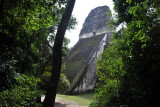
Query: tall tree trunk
<point x="57" y="56"/>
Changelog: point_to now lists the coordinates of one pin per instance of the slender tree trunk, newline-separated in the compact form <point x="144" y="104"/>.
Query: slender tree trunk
<point x="57" y="56"/>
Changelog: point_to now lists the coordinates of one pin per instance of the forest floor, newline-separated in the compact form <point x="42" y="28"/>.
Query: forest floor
<point x="60" y="103"/>
<point x="72" y="101"/>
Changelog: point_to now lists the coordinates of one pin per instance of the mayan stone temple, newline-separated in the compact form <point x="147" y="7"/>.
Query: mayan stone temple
<point x="93" y="39"/>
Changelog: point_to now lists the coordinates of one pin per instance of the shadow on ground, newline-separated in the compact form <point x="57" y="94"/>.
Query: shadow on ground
<point x="59" y="105"/>
<point x="66" y="104"/>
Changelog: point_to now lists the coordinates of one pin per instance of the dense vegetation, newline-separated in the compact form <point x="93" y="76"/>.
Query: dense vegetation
<point x="129" y="69"/>
<point x="27" y="33"/>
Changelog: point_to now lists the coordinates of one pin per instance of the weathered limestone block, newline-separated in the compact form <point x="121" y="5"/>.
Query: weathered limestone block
<point x="80" y="64"/>
<point x="86" y="80"/>
<point x="97" y="21"/>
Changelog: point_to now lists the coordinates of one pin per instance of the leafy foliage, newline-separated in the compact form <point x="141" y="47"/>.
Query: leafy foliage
<point x="23" y="93"/>
<point x="7" y="73"/>
<point x="141" y="61"/>
<point x="110" y="72"/>
<point x="137" y="46"/>
<point x="63" y="82"/>
<point x="27" y="32"/>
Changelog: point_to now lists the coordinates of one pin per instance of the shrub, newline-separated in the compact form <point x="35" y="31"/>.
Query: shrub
<point x="21" y="94"/>
<point x="7" y="73"/>
<point x="106" y="95"/>
<point x="110" y="71"/>
<point x="63" y="83"/>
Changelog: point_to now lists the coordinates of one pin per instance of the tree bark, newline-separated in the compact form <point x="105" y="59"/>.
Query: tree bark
<point x="57" y="56"/>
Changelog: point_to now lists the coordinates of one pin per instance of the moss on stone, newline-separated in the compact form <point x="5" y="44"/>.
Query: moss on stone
<point x="75" y="60"/>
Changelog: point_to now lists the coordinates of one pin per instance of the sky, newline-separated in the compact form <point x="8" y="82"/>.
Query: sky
<point x="81" y="10"/>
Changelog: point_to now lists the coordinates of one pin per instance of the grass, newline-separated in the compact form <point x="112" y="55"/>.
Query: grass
<point x="82" y="99"/>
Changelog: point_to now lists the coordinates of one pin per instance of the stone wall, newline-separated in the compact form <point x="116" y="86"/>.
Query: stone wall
<point x="97" y="21"/>
<point x="81" y="62"/>
<point x="86" y="80"/>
